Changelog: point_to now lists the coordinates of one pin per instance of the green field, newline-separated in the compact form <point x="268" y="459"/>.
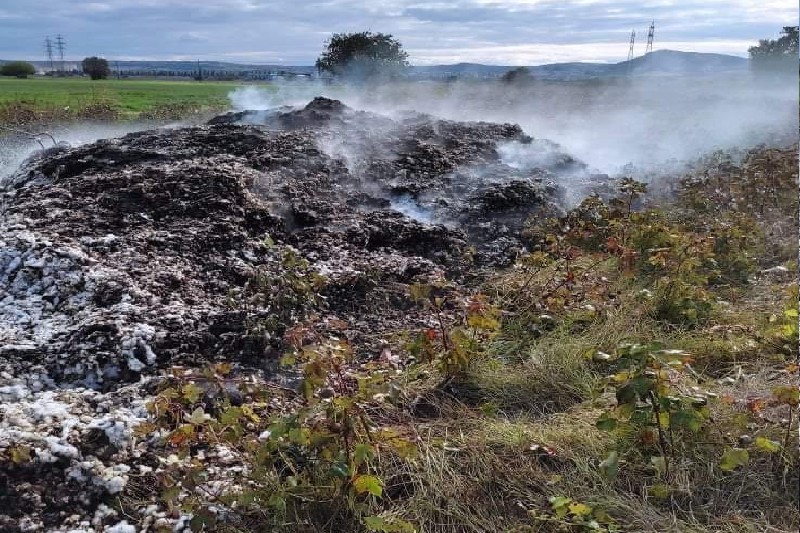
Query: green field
<point x="127" y="98"/>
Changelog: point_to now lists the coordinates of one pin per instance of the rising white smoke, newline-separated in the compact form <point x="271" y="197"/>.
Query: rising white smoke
<point x="650" y="122"/>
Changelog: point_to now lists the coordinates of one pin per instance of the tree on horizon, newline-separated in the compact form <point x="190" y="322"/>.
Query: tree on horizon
<point x="362" y="55"/>
<point x="776" y="54"/>
<point x="96" y="67"/>
<point x="20" y="69"/>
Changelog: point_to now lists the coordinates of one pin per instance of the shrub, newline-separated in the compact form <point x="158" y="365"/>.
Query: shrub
<point x="362" y="54"/>
<point x="96" y="67"/>
<point x="20" y="69"/>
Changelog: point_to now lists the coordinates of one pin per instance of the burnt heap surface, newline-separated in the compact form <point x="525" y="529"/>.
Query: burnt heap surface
<point x="122" y="254"/>
<point x="130" y="254"/>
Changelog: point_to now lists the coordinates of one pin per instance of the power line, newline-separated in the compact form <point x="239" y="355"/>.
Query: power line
<point x="61" y="45"/>
<point x="650" y="38"/>
<point x="48" y="46"/>
<point x="633" y="40"/>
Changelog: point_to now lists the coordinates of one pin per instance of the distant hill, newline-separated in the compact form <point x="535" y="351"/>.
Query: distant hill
<point x="460" y="69"/>
<point x="672" y="62"/>
<point x="661" y="62"/>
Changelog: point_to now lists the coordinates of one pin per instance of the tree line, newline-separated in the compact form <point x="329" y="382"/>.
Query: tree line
<point x="776" y="54"/>
<point x="95" y="67"/>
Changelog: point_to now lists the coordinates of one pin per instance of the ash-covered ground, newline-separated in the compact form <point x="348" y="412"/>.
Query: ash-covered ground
<point x="130" y="255"/>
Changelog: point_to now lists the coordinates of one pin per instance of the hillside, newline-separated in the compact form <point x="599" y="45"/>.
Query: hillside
<point x="671" y="62"/>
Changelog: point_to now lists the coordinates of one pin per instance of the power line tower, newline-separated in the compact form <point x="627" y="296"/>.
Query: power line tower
<point x="650" y="34"/>
<point x="48" y="47"/>
<point x="633" y="40"/>
<point x="61" y="45"/>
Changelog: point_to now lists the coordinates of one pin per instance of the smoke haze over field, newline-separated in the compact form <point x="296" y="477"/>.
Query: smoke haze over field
<point x="15" y="148"/>
<point x="647" y="122"/>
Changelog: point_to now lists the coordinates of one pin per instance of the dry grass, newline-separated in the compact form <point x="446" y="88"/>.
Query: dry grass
<point x="479" y="470"/>
<point x="496" y="440"/>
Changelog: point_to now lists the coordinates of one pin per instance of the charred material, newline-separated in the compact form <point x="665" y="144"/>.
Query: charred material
<point x="178" y="247"/>
<point x="121" y="255"/>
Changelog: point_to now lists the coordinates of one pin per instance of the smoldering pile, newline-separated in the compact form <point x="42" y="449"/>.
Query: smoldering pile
<point x="165" y="223"/>
<point x="120" y="257"/>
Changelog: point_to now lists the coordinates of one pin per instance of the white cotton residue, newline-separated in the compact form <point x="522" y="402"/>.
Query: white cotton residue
<point x="122" y="527"/>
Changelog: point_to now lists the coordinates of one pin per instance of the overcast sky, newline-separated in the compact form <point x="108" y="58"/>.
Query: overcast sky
<point x="507" y="32"/>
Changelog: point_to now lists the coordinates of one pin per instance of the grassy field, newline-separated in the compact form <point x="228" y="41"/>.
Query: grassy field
<point x="120" y="98"/>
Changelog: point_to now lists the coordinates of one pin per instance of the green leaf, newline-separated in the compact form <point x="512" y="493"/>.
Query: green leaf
<point x="557" y="502"/>
<point x="625" y="410"/>
<point x="363" y="453"/>
<point x="191" y="392"/>
<point x="733" y="458"/>
<point x="170" y="494"/>
<point x="642" y="415"/>
<point x="610" y="466"/>
<point x="660" y="464"/>
<point x="370" y="484"/>
<point x="606" y="422"/>
<point x="686" y="419"/>
<point x="483" y="322"/>
<point x="230" y="416"/>
<point x="246" y="498"/>
<point x="388" y="525"/>
<point x="769" y="446"/>
<point x="489" y="409"/>
<point x="278" y="429"/>
<point x="198" y="416"/>
<point x="580" y="509"/>
<point x="626" y="395"/>
<point x="340" y="469"/>
<point x="277" y="502"/>
<point x="404" y="448"/>
<point x="788" y="395"/>
<point x="560" y="505"/>
<point x="642" y="386"/>
<point x="659" y="491"/>
<point x="299" y="436"/>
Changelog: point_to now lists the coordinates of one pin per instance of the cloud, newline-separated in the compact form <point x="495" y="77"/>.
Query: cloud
<point x="491" y="31"/>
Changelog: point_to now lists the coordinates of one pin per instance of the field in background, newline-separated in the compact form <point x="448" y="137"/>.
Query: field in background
<point x="45" y="99"/>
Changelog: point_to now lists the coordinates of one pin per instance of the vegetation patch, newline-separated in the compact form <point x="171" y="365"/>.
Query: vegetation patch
<point x="54" y="100"/>
<point x="635" y="372"/>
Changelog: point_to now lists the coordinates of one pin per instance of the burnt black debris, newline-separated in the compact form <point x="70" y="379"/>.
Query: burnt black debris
<point x="132" y="254"/>
<point x="122" y="254"/>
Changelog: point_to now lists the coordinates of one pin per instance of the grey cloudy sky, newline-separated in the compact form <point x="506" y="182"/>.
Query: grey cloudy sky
<point x="509" y="32"/>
